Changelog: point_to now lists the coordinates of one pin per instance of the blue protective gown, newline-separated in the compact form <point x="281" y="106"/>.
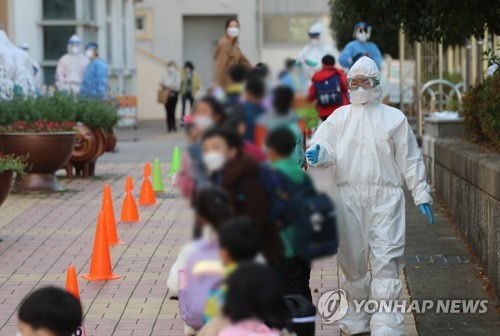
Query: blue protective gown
<point x="356" y="47"/>
<point x="95" y="79"/>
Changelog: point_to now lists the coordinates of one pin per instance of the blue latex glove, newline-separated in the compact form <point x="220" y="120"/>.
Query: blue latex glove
<point x="426" y="210"/>
<point x="312" y="155"/>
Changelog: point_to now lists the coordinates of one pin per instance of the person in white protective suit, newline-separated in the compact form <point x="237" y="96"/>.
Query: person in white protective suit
<point x="17" y="66"/>
<point x="6" y="84"/>
<point x="37" y="70"/>
<point x="373" y="149"/>
<point x="71" y="67"/>
<point x="310" y="57"/>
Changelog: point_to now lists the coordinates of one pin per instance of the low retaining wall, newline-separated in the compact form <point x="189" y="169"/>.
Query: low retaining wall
<point x="468" y="179"/>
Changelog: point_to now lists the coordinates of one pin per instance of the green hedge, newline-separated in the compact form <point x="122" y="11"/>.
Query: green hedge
<point x="482" y="111"/>
<point x="59" y="108"/>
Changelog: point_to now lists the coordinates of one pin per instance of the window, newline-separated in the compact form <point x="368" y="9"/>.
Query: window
<point x="55" y="39"/>
<point x="59" y="9"/>
<point x="143" y="24"/>
<point x="287" y="29"/>
<point x="61" y="20"/>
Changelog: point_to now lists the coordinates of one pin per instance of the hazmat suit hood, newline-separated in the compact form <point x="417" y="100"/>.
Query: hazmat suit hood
<point x="365" y="66"/>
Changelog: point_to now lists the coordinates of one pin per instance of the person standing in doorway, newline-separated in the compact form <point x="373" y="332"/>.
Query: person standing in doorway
<point x="191" y="83"/>
<point x="172" y="82"/>
<point x="228" y="53"/>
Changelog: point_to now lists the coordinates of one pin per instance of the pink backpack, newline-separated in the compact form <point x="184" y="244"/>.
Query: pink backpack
<point x="202" y="273"/>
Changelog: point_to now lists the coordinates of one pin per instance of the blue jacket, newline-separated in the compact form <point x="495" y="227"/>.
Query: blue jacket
<point x="95" y="79"/>
<point x="252" y="113"/>
<point x="356" y="47"/>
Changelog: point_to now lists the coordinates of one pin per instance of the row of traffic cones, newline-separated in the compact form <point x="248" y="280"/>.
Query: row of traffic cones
<point x="106" y="233"/>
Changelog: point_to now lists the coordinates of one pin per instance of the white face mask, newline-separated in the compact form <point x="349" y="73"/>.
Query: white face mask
<point x="89" y="53"/>
<point x="315" y="41"/>
<point x="233" y="31"/>
<point x="214" y="161"/>
<point x="171" y="68"/>
<point x="19" y="333"/>
<point x="360" y="96"/>
<point x="362" y="36"/>
<point x="74" y="49"/>
<point x="203" y="122"/>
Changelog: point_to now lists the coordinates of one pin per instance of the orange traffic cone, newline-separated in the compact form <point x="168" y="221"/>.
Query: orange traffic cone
<point x="100" y="265"/>
<point x="129" y="209"/>
<point x="109" y="216"/>
<point x="72" y="287"/>
<point x="147" y="170"/>
<point x="129" y="185"/>
<point x="147" y="196"/>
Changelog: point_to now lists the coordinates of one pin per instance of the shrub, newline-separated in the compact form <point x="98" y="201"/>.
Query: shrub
<point x="55" y="113"/>
<point x="482" y="111"/>
<point x="15" y="163"/>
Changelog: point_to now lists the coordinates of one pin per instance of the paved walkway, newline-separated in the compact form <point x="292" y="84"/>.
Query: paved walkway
<point x="43" y="234"/>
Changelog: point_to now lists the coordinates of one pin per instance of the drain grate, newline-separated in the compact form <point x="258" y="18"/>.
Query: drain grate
<point x="432" y="259"/>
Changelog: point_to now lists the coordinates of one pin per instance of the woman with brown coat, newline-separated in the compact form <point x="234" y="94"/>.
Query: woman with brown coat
<point x="228" y="53"/>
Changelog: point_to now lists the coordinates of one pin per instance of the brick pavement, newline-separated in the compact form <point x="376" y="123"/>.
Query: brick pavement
<point x="43" y="234"/>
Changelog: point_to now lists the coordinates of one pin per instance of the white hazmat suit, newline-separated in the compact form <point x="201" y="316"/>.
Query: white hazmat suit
<point x="17" y="65"/>
<point x="311" y="55"/>
<point x="373" y="149"/>
<point x="71" y="67"/>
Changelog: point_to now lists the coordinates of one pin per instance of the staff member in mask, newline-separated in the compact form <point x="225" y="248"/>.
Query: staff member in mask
<point x="373" y="149"/>
<point x="95" y="79"/>
<point x="71" y="67"/>
<point x="228" y="53"/>
<point x="354" y="50"/>
<point x="310" y="57"/>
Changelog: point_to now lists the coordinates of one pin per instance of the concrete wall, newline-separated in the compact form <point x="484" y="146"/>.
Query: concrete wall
<point x="468" y="178"/>
<point x="149" y="71"/>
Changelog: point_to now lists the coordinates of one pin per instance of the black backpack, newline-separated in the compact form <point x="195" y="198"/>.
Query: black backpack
<point x="310" y="212"/>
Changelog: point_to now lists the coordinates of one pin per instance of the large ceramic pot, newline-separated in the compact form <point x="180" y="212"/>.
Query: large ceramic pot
<point x="6" y="181"/>
<point x="89" y="146"/>
<point x="48" y="152"/>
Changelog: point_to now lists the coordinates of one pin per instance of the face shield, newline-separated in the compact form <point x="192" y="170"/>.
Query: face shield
<point x="364" y="82"/>
<point x="362" y="32"/>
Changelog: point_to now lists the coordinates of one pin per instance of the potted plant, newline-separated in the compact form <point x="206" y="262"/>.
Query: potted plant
<point x="10" y="166"/>
<point x="42" y="128"/>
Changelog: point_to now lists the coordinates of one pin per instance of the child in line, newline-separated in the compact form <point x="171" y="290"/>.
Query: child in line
<point x="237" y="75"/>
<point x="239" y="241"/>
<point x="284" y="116"/>
<point x="255" y="303"/>
<point x="255" y="90"/>
<point x="280" y="149"/>
<point x="238" y="174"/>
<point x="212" y="207"/>
<point x="49" y="311"/>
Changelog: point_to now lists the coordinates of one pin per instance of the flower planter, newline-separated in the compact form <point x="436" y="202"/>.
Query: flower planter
<point x="48" y="152"/>
<point x="6" y="181"/>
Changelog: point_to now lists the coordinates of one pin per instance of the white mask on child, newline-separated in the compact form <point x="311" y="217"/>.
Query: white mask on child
<point x="203" y="122"/>
<point x="214" y="161"/>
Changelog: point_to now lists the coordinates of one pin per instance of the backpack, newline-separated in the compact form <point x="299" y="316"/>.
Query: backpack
<point x="329" y="91"/>
<point x="303" y="315"/>
<point x="203" y="272"/>
<point x="312" y="213"/>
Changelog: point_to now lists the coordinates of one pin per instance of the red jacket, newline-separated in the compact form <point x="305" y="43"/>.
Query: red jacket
<point x="326" y="72"/>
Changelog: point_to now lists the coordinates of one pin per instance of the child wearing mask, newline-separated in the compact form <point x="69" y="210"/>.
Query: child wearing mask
<point x="282" y="115"/>
<point x="49" y="311"/>
<point x="237" y="74"/>
<point x="254" y="303"/>
<point x="207" y="112"/>
<point x="238" y="174"/>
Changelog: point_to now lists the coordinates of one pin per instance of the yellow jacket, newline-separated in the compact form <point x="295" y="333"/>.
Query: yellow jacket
<point x="195" y="82"/>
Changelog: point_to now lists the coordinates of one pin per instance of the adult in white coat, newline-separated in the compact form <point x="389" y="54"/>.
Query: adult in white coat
<point x="37" y="70"/>
<point x="310" y="56"/>
<point x="71" y="67"/>
<point x="17" y="65"/>
<point x="373" y="149"/>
